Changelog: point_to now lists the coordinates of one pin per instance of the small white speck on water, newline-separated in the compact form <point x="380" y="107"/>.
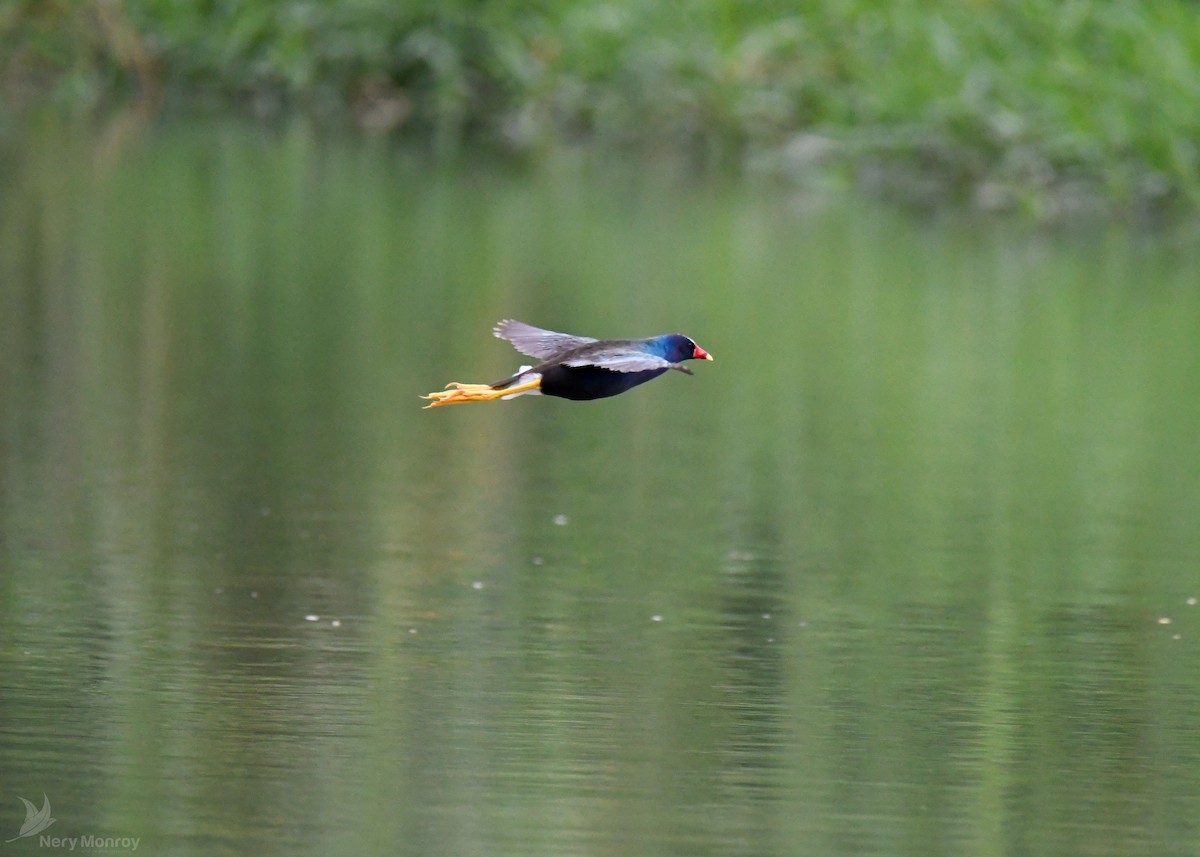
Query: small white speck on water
<point x="1175" y="637"/>
<point x="220" y="590"/>
<point x="656" y="618"/>
<point x="1191" y="602"/>
<point x="412" y="630"/>
<point x="336" y="623"/>
<point x="561" y="520"/>
<point x="802" y="624"/>
<point x="265" y="511"/>
<point x="537" y="560"/>
<point x="766" y="615"/>
<point x="1164" y="620"/>
<point x="770" y="639"/>
<point x="253" y="593"/>
<point x="312" y="617"/>
<point x="478" y="584"/>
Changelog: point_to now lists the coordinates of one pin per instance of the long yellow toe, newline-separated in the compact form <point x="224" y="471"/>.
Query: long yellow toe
<point x="457" y="393"/>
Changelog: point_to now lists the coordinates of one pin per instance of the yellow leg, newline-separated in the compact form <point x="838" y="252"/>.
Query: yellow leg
<point x="457" y="394"/>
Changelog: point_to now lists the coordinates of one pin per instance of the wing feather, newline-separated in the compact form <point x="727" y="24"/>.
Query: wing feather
<point x="622" y="362"/>
<point x="536" y="342"/>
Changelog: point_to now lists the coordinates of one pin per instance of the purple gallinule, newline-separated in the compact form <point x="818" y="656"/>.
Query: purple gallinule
<point x="576" y="367"/>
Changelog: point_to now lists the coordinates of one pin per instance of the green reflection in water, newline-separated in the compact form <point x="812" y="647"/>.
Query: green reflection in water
<point x="886" y="578"/>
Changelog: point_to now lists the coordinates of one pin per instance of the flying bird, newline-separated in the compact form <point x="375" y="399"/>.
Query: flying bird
<point x="576" y="367"/>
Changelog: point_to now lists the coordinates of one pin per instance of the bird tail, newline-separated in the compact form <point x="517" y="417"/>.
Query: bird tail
<point x="516" y="379"/>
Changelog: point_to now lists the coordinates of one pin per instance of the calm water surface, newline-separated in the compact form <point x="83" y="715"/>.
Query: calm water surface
<point x="910" y="569"/>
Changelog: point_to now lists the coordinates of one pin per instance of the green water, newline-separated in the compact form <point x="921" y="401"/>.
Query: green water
<point x="905" y="571"/>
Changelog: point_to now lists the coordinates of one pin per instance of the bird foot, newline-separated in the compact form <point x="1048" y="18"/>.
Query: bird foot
<point x="457" y="393"/>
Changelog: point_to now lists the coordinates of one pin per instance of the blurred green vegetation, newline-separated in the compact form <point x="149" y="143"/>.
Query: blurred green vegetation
<point x="1042" y="104"/>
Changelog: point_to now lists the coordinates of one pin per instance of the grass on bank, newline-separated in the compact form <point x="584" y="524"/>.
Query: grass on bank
<point x="1009" y="103"/>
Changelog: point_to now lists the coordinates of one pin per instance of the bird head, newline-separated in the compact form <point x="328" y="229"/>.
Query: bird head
<point x="677" y="348"/>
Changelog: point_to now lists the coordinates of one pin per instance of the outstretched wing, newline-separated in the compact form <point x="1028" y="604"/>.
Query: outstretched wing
<point x="623" y="361"/>
<point x="542" y="344"/>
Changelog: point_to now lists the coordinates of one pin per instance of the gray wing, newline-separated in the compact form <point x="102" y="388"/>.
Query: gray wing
<point x="623" y="362"/>
<point x="542" y="344"/>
